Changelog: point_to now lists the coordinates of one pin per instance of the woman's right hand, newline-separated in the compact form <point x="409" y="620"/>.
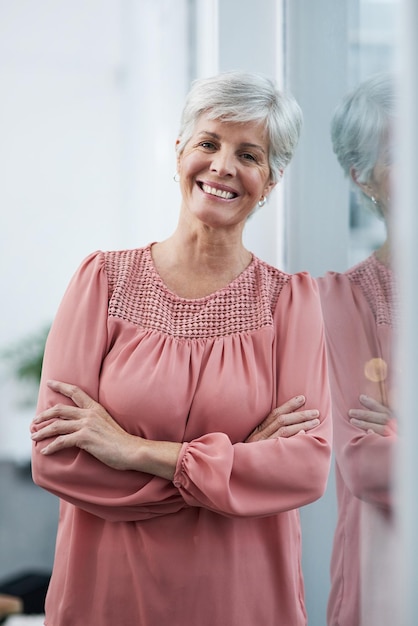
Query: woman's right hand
<point x="285" y="421"/>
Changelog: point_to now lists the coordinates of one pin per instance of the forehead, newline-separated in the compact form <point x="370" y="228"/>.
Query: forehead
<point x="240" y="132"/>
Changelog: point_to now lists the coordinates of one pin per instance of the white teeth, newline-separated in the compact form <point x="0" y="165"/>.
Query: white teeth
<point x="227" y="195"/>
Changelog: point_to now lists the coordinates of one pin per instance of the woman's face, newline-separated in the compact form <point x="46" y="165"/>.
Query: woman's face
<point x="224" y="171"/>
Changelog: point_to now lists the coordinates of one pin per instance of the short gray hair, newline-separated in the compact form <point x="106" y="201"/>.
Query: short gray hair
<point x="244" y="97"/>
<point x="360" y="129"/>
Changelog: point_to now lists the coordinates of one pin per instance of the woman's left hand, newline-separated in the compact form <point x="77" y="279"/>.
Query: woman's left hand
<point x="374" y="418"/>
<point x="86" y="425"/>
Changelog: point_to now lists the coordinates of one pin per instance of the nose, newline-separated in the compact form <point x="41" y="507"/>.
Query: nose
<point x="223" y="163"/>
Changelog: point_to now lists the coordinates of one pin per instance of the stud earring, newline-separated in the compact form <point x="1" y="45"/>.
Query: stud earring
<point x="373" y="199"/>
<point x="176" y="177"/>
<point x="262" y="202"/>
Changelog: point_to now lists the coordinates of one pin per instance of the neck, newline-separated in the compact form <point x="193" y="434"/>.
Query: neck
<point x="212" y="249"/>
<point x="384" y="254"/>
<point x="193" y="265"/>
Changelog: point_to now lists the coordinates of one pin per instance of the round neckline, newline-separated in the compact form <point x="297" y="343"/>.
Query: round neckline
<point x="209" y="296"/>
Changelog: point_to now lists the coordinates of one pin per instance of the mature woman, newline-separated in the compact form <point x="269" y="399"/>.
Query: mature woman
<point x="183" y="406"/>
<point x="360" y="310"/>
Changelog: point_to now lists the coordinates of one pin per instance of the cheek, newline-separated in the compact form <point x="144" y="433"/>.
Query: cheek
<point x="188" y="166"/>
<point x="262" y="184"/>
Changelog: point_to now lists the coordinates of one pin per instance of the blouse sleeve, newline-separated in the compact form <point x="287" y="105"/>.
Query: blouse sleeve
<point x="75" y="348"/>
<point x="275" y="475"/>
<point x="364" y="459"/>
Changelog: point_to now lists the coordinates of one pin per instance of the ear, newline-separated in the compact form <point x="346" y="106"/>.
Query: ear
<point x="366" y="188"/>
<point x="177" y="154"/>
<point x="269" y="188"/>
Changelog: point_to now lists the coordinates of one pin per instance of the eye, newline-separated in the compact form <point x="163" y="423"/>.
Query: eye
<point x="247" y="156"/>
<point x="208" y="145"/>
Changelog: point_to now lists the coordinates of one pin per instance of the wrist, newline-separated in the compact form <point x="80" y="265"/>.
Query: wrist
<point x="157" y="457"/>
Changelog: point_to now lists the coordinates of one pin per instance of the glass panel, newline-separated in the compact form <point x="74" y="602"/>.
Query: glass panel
<point x="361" y="311"/>
<point x="372" y="38"/>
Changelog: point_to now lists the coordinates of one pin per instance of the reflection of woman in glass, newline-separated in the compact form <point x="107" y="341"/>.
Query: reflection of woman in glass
<point x="360" y="309"/>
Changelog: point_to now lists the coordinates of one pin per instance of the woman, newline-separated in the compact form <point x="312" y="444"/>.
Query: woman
<point x="360" y="311"/>
<point x="184" y="398"/>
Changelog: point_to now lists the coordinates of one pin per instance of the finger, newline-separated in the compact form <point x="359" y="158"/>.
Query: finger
<point x="270" y="424"/>
<point x="294" y="429"/>
<point x="270" y="429"/>
<point x="373" y="405"/>
<point x="291" y="419"/>
<point x="297" y="417"/>
<point x="372" y="417"/>
<point x="379" y="429"/>
<point x="60" y="443"/>
<point x="291" y="405"/>
<point x="77" y="395"/>
<point x="59" y="411"/>
<point x="54" y="429"/>
<point x="286" y="431"/>
<point x="288" y="407"/>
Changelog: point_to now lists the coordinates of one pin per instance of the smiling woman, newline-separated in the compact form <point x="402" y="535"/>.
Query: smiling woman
<point x="181" y="421"/>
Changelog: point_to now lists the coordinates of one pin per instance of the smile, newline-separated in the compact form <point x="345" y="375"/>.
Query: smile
<point x="219" y="193"/>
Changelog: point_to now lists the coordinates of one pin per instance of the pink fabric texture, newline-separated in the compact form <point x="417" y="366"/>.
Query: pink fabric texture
<point x="221" y="543"/>
<point x="360" y="312"/>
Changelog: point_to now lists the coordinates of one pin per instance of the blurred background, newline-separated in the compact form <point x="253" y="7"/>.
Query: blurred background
<point x="91" y="95"/>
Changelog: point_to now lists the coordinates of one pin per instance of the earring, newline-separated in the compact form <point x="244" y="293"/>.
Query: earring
<point x="176" y="177"/>
<point x="373" y="199"/>
<point x="262" y="202"/>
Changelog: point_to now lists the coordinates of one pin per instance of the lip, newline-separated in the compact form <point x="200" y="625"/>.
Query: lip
<point x="219" y="187"/>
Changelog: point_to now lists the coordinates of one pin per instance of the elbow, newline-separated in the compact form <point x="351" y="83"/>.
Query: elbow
<point x="318" y="472"/>
<point x="41" y="472"/>
<point x="367" y="473"/>
<point x="37" y="475"/>
<point x="362" y="486"/>
<point x="317" y="487"/>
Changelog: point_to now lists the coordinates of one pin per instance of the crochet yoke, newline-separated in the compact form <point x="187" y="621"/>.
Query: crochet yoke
<point x="138" y="295"/>
<point x="377" y="283"/>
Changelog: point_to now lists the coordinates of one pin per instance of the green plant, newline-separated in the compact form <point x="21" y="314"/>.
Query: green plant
<point x="24" y="358"/>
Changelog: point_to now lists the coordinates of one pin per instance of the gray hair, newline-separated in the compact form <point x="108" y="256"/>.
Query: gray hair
<point x="243" y="97"/>
<point x="360" y="129"/>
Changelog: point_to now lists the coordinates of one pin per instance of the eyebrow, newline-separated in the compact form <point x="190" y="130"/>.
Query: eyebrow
<point x="246" y="144"/>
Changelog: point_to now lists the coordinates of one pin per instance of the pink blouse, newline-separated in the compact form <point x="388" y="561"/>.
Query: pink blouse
<point x="360" y="313"/>
<point x="220" y="544"/>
